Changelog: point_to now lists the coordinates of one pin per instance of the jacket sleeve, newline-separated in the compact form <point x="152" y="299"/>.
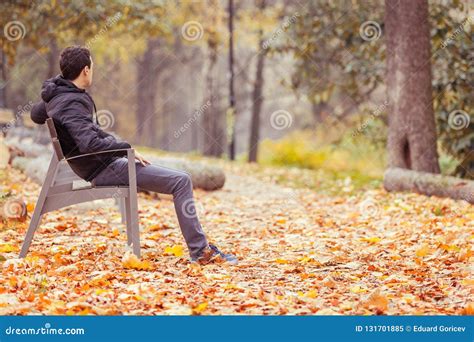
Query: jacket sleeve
<point x="87" y="135"/>
<point x="38" y="113"/>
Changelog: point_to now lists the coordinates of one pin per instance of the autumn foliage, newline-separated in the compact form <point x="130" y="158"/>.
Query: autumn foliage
<point x="301" y="252"/>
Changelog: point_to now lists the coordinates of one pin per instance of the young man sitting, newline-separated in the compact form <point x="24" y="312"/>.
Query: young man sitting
<point x="65" y="99"/>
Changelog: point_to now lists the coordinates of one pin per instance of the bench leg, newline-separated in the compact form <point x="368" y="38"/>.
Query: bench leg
<point x="122" y="207"/>
<point x="133" y="227"/>
<point x="128" y="220"/>
<point x="36" y="218"/>
<point x="34" y="223"/>
<point x="132" y="212"/>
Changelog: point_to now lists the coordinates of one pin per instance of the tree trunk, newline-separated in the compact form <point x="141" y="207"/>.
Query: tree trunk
<point x="53" y="58"/>
<point x="147" y="80"/>
<point x="231" y="81"/>
<point x="3" y="79"/>
<point x="257" y="96"/>
<point x="412" y="128"/>
<point x="257" y="100"/>
<point x="397" y="179"/>
<point x="210" y="118"/>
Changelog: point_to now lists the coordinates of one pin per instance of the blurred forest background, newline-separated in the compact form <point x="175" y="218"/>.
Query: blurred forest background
<point x="293" y="83"/>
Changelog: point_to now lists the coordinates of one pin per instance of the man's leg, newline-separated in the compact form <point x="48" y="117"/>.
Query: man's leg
<point x="167" y="181"/>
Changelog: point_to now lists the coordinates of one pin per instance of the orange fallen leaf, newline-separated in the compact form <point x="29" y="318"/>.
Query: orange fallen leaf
<point x="131" y="261"/>
<point x="423" y="251"/>
<point x="377" y="301"/>
<point x="468" y="309"/>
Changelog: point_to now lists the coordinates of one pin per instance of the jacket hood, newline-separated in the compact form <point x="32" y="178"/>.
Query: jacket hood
<point x="58" y="85"/>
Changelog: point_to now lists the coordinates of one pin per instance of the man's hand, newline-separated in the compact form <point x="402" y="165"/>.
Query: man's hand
<point x="141" y="159"/>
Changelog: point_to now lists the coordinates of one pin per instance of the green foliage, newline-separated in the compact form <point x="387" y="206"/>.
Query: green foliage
<point x="77" y="21"/>
<point x="335" y="65"/>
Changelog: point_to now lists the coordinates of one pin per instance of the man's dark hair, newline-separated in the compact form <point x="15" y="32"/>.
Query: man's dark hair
<point x="73" y="59"/>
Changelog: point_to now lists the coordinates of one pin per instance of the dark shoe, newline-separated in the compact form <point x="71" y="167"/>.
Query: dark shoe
<point x="212" y="254"/>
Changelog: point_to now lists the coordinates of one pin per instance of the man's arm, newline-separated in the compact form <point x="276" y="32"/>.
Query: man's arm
<point x="87" y="135"/>
<point x="38" y="113"/>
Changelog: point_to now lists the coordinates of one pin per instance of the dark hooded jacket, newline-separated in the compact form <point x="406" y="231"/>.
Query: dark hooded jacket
<point x="72" y="110"/>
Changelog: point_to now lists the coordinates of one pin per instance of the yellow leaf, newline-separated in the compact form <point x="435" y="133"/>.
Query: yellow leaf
<point x="200" y="308"/>
<point x="176" y="250"/>
<point x="155" y="227"/>
<point x="7" y="248"/>
<point x="311" y="294"/>
<point x="358" y="289"/>
<point x="423" y="251"/>
<point x="131" y="261"/>
<point x="281" y="261"/>
<point x="468" y="282"/>
<point x="371" y="239"/>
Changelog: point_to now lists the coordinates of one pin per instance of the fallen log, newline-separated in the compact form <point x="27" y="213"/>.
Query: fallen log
<point x="397" y="179"/>
<point x="203" y="176"/>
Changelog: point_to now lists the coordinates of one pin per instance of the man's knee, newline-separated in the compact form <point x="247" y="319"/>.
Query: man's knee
<point x="184" y="180"/>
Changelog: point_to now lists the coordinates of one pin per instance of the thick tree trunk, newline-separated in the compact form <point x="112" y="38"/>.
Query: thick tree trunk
<point x="412" y="129"/>
<point x="397" y="179"/>
<point x="257" y="100"/>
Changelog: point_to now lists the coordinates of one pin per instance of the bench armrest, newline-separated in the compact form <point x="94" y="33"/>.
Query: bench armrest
<point x="118" y="152"/>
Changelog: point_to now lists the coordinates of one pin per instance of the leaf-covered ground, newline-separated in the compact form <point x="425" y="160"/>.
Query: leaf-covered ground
<point x="301" y="252"/>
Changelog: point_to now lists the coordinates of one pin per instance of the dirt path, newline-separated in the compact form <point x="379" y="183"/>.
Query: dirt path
<point x="300" y="253"/>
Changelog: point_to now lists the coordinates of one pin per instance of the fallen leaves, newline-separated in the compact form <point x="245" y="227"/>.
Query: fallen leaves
<point x="299" y="253"/>
<point x="131" y="261"/>
<point x="376" y="302"/>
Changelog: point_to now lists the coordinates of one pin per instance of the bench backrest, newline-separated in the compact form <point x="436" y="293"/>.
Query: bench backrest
<point x="54" y="139"/>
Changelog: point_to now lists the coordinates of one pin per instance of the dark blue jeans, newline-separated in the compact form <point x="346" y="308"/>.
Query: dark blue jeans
<point x="166" y="181"/>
